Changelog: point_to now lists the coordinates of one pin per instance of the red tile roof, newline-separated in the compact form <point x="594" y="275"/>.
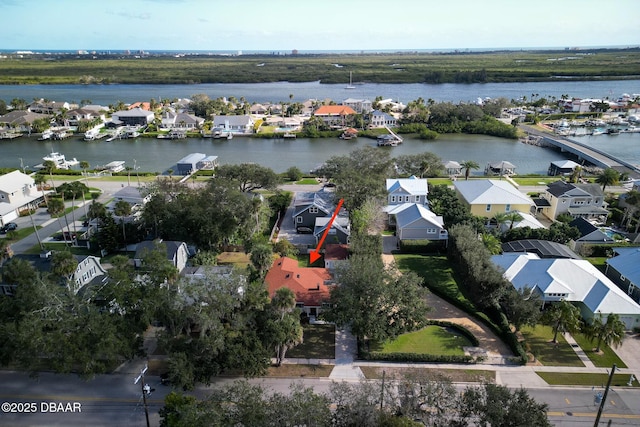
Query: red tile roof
<point x="307" y="283"/>
<point x="334" y="110"/>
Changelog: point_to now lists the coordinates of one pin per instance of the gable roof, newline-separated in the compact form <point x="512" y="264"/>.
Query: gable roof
<point x="627" y="263"/>
<point x="491" y="191"/>
<point x="412" y="185"/>
<point x="14" y="181"/>
<point x="590" y="230"/>
<point x="307" y="283"/>
<point x="567" y="189"/>
<point x="334" y="110"/>
<point x="415" y="212"/>
<point x="324" y="200"/>
<point x="340" y="223"/>
<point x="542" y="248"/>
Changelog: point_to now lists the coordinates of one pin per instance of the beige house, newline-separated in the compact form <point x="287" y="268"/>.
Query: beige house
<point x="577" y="200"/>
<point x="488" y="197"/>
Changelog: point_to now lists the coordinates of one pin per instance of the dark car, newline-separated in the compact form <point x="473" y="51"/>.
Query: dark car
<point x="304" y="230"/>
<point x="10" y="226"/>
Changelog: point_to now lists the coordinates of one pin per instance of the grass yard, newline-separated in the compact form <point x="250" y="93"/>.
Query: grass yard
<point x="319" y="343"/>
<point x="238" y="259"/>
<point x="430" y="340"/>
<point x="539" y="343"/>
<point x="585" y="379"/>
<point x="605" y="359"/>
<point x="307" y="181"/>
<point x="455" y="375"/>
<point x="20" y="233"/>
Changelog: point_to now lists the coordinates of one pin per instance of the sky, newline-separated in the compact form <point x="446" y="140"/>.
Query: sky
<point x="307" y="25"/>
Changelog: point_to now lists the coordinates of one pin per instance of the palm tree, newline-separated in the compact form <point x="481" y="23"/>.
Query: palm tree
<point x="608" y="176"/>
<point x="607" y="333"/>
<point x="467" y="166"/>
<point x="56" y="209"/>
<point x="84" y="165"/>
<point x="512" y="218"/>
<point x="562" y="317"/>
<point x="492" y="243"/>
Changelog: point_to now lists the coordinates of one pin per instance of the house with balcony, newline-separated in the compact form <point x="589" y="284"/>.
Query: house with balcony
<point x="132" y="117"/>
<point x="360" y="106"/>
<point x="380" y="119"/>
<point x="578" y="200"/>
<point x="487" y="197"/>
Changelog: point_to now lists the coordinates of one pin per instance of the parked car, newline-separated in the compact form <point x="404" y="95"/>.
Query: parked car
<point x="10" y="226"/>
<point x="304" y="230"/>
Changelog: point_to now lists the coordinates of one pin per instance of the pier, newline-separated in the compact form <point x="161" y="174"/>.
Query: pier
<point x="583" y="152"/>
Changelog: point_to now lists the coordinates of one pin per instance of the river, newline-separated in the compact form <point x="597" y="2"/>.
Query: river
<point x="159" y="155"/>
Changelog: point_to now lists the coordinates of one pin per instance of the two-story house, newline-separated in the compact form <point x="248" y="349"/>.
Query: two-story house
<point x="407" y="190"/>
<point x="340" y="231"/>
<point x="380" y="119"/>
<point x="133" y="117"/>
<point x="335" y="115"/>
<point x="624" y="270"/>
<point x="577" y="200"/>
<point x="173" y="120"/>
<point x="177" y="252"/>
<point x="234" y="124"/>
<point x="360" y="106"/>
<point x="310" y="285"/>
<point x="18" y="192"/>
<point x="48" y="107"/>
<point x="309" y="206"/>
<point x="487" y="197"/>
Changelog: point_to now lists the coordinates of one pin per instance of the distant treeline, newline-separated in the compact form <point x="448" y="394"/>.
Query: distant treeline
<point x="484" y="67"/>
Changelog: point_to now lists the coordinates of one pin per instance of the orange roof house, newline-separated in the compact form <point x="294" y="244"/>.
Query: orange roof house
<point x="309" y="284"/>
<point x="334" y="111"/>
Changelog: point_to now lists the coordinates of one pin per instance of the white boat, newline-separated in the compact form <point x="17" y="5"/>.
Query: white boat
<point x="60" y="161"/>
<point x="290" y="135"/>
<point x="47" y="134"/>
<point x="350" y="86"/>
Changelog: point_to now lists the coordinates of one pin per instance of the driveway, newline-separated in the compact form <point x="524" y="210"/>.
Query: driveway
<point x="288" y="231"/>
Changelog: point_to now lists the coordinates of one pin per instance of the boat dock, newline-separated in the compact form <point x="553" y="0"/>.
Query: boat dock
<point x="10" y="135"/>
<point x="583" y="152"/>
<point x="389" y="140"/>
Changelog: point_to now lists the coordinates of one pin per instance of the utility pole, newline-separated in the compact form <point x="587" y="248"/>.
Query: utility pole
<point x="604" y="396"/>
<point x="382" y="391"/>
<point x="144" y="389"/>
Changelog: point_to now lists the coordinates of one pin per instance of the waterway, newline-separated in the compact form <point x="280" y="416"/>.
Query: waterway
<point x="159" y="155"/>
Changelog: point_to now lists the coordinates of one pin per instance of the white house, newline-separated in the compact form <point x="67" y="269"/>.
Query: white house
<point x="235" y="124"/>
<point x="380" y="119"/>
<point x="18" y="192"/>
<point x="173" y="120"/>
<point x="573" y="280"/>
<point x="359" y="105"/>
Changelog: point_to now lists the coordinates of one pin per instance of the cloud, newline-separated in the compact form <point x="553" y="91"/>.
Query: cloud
<point x="142" y="16"/>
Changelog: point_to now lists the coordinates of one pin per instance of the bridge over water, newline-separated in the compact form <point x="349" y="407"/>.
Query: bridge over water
<point x="584" y="152"/>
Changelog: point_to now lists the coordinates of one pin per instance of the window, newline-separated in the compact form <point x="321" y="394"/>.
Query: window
<point x="393" y="199"/>
<point x="488" y="208"/>
<point x="299" y="219"/>
<point x="622" y="277"/>
<point x="417" y="199"/>
<point x="507" y="208"/>
<point x="407" y="198"/>
<point x="431" y="230"/>
<point x="313" y="209"/>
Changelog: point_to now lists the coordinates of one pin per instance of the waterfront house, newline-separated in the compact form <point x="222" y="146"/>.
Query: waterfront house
<point x="334" y="115"/>
<point x="21" y="120"/>
<point x="380" y="119"/>
<point x="310" y="285"/>
<point x="573" y="280"/>
<point x="173" y="120"/>
<point x="177" y="252"/>
<point x="77" y="115"/>
<point x="624" y="270"/>
<point x="360" y="106"/>
<point x="48" y="107"/>
<point x="18" y="192"/>
<point x="133" y="117"/>
<point x="407" y="190"/>
<point x="242" y="124"/>
<point x="487" y="197"/>
<point x="577" y="200"/>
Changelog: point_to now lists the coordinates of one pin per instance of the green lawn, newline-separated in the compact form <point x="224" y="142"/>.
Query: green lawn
<point x="604" y="360"/>
<point x="539" y="343"/>
<point x="20" y="233"/>
<point x="319" y="343"/>
<point x="307" y="181"/>
<point x="585" y="379"/>
<point x="430" y="340"/>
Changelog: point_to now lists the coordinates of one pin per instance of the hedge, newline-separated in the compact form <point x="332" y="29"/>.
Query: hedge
<point x="413" y="357"/>
<point x="464" y="331"/>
